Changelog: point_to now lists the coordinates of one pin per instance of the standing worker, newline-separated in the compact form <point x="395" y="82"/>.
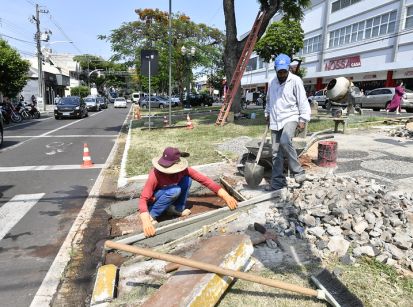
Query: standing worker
<point x="287" y="107"/>
<point x="167" y="189"/>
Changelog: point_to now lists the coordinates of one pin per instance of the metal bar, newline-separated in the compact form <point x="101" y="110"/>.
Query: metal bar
<point x="164" y="229"/>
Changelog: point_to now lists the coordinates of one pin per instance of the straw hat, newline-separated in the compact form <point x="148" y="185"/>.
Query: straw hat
<point x="171" y="161"/>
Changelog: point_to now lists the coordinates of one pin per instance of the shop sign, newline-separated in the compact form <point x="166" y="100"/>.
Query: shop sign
<point x="342" y="63"/>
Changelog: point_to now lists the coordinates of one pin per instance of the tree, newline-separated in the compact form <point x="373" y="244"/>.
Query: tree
<point x="285" y="36"/>
<point x="150" y="31"/>
<point x="81" y="91"/>
<point x="292" y="9"/>
<point x="13" y="70"/>
<point x="111" y="74"/>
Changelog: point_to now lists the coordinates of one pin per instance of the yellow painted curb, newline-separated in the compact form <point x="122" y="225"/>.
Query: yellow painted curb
<point x="104" y="289"/>
<point x="209" y="293"/>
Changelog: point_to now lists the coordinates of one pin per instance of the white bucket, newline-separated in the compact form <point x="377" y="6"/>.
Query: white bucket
<point x="253" y="115"/>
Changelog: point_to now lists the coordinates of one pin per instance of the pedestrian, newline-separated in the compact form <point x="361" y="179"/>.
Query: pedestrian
<point x="287" y="107"/>
<point x="167" y="189"/>
<point x="396" y="102"/>
<point x="57" y="99"/>
<point x="33" y="100"/>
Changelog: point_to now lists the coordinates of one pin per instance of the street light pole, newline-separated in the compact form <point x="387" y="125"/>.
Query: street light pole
<point x="188" y="57"/>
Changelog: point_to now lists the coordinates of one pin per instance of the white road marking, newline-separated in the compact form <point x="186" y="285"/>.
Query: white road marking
<point x="60" y="136"/>
<point x="45" y="168"/>
<point x="14" y="210"/>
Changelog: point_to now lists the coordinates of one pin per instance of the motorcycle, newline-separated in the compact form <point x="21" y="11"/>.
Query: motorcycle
<point x="10" y="113"/>
<point x="23" y="110"/>
<point x="33" y="111"/>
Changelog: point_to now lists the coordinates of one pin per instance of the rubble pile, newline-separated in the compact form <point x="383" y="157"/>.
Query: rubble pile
<point x="350" y="217"/>
<point x="402" y="132"/>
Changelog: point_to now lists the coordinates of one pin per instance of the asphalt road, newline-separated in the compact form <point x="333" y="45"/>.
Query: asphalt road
<point x="42" y="189"/>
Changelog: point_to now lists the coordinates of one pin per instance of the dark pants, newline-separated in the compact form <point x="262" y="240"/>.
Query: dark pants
<point x="282" y="147"/>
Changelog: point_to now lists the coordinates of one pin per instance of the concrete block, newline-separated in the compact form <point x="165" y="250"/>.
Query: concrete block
<point x="193" y="287"/>
<point x="104" y="289"/>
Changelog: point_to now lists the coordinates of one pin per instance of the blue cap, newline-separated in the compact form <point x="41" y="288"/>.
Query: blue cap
<point x="282" y="61"/>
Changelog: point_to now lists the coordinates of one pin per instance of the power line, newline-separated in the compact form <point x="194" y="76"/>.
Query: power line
<point x="30" y="2"/>
<point x="64" y="34"/>
<point x="17" y="39"/>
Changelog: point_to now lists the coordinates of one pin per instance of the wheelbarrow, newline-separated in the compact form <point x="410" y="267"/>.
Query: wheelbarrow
<point x="300" y="144"/>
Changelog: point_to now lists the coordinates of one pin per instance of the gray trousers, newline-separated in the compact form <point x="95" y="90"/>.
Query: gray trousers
<point x="282" y="147"/>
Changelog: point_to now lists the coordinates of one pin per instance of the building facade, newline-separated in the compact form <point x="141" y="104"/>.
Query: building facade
<point x="369" y="42"/>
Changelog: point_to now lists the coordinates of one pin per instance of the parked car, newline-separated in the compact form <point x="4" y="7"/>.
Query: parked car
<point x="156" y="102"/>
<point x="320" y="97"/>
<point x="103" y="102"/>
<point x="120" y="102"/>
<point x="92" y="104"/>
<point x="195" y="100"/>
<point x="380" y="98"/>
<point x="72" y="106"/>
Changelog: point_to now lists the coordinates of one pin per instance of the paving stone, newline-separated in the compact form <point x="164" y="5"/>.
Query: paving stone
<point x="193" y="287"/>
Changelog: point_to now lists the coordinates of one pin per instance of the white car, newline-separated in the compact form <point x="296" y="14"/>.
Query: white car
<point x="120" y="103"/>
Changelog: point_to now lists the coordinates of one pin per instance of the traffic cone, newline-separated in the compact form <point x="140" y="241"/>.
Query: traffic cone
<point x="165" y="121"/>
<point x="189" y="123"/>
<point x="87" y="160"/>
<point x="137" y="112"/>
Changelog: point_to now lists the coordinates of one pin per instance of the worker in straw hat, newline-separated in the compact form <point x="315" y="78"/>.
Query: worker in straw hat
<point x="167" y="188"/>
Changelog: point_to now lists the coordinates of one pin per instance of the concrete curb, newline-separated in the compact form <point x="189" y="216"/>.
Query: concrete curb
<point x="47" y="290"/>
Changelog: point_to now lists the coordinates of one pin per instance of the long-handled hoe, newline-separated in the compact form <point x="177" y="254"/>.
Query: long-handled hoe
<point x="330" y="288"/>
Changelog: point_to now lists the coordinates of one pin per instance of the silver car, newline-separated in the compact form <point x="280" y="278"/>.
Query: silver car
<point x="320" y="97"/>
<point x="380" y="98"/>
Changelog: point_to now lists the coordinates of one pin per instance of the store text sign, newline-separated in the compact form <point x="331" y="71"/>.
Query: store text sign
<point x="342" y="63"/>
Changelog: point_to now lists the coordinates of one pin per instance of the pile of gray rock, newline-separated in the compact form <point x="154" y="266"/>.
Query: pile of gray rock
<point x="349" y="217"/>
<point x="402" y="132"/>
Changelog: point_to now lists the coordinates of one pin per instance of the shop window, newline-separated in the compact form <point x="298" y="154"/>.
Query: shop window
<point x="409" y="17"/>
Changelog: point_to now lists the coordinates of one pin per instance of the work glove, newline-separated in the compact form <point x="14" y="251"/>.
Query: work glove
<point x="148" y="228"/>
<point x="230" y="201"/>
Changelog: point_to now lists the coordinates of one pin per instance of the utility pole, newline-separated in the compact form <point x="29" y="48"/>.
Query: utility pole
<point x="39" y="54"/>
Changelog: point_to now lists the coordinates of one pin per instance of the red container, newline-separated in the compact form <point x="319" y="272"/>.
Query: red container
<point x="327" y="153"/>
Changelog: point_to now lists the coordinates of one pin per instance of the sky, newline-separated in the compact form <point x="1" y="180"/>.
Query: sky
<point x="76" y="24"/>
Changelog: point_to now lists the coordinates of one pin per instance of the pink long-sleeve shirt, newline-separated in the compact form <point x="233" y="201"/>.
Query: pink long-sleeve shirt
<point x="157" y="180"/>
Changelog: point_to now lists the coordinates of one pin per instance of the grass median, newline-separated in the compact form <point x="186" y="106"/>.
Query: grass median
<point x="202" y="141"/>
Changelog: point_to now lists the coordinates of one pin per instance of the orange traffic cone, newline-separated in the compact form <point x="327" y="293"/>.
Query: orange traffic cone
<point x="87" y="160"/>
<point x="165" y="121"/>
<point x="137" y="112"/>
<point x="189" y="123"/>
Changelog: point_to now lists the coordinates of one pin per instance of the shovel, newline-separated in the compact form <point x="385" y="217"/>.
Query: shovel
<point x="253" y="172"/>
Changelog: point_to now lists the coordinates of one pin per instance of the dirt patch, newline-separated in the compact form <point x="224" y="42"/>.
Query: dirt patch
<point x="197" y="205"/>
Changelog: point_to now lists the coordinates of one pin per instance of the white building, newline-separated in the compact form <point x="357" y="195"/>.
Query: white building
<point x="60" y="73"/>
<point x="367" y="41"/>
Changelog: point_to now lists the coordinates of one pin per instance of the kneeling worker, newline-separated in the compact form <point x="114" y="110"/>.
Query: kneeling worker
<point x="167" y="188"/>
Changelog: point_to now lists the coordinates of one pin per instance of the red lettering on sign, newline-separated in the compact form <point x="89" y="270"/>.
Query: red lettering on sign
<point x="342" y="63"/>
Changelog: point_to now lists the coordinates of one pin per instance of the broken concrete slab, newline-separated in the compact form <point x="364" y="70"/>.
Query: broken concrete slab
<point x="192" y="287"/>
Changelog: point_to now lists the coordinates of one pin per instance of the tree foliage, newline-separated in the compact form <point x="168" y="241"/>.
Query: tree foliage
<point x="285" y="36"/>
<point x="150" y="31"/>
<point x="13" y="70"/>
<point x="81" y="91"/>
<point x="107" y="73"/>
<point x="291" y="10"/>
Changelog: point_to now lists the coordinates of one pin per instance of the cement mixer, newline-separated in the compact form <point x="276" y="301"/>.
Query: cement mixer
<point x="343" y="97"/>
